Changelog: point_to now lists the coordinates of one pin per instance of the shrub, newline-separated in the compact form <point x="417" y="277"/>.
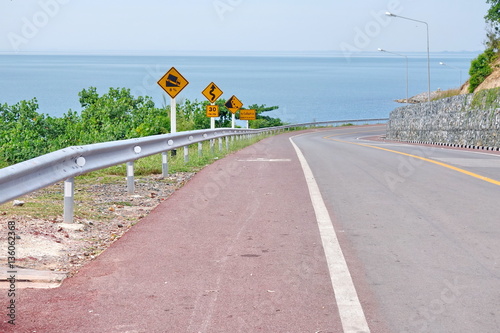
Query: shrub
<point x="116" y="115"/>
<point x="480" y="68"/>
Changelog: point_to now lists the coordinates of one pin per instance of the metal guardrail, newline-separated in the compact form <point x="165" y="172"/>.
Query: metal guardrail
<point x="65" y="164"/>
<point x="43" y="171"/>
<point x="325" y="123"/>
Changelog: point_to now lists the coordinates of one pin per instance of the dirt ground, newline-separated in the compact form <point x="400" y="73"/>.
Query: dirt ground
<point x="108" y="210"/>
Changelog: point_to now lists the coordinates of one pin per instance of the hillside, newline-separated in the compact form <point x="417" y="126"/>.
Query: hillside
<point x="492" y="81"/>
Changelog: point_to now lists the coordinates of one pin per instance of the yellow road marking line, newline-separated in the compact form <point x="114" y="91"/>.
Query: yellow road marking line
<point x="468" y="173"/>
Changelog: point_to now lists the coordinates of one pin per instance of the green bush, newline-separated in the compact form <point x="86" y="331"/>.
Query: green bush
<point x="24" y="132"/>
<point x="115" y="115"/>
<point x="480" y="68"/>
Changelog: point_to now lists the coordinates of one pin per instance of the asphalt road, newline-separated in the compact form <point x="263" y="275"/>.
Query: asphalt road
<point x="248" y="246"/>
<point x="422" y="239"/>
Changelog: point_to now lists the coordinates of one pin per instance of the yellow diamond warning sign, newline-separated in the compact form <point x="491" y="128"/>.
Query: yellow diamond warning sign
<point x="173" y="82"/>
<point x="212" y="92"/>
<point x="233" y="104"/>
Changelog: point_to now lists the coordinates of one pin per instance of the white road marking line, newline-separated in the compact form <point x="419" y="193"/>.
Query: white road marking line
<point x="350" y="310"/>
<point x="266" y="160"/>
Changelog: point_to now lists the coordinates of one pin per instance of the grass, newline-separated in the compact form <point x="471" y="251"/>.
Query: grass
<point x="446" y="94"/>
<point x="43" y="205"/>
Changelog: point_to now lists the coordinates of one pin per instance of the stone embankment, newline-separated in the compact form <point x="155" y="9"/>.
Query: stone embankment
<point x="420" y="98"/>
<point x="471" y="120"/>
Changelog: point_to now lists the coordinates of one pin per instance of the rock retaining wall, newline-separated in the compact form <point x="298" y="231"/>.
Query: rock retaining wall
<point x="464" y="120"/>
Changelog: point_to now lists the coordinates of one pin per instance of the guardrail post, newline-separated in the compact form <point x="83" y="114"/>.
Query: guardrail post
<point x="130" y="177"/>
<point x="186" y="154"/>
<point x="227" y="143"/>
<point x="164" y="164"/>
<point x="212" y="145"/>
<point x="200" y="149"/>
<point x="69" y="200"/>
<point x="220" y="144"/>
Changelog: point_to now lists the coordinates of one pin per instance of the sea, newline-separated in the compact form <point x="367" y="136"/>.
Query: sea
<point x="304" y="87"/>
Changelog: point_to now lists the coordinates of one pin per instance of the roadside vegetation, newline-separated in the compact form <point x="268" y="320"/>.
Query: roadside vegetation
<point x="482" y="66"/>
<point x="116" y="115"/>
<point x="446" y="93"/>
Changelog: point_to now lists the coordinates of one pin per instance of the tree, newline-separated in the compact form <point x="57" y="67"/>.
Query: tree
<point x="493" y="30"/>
<point x="264" y="121"/>
<point x="493" y="15"/>
<point x="118" y="115"/>
<point x="115" y="115"/>
<point x="481" y="67"/>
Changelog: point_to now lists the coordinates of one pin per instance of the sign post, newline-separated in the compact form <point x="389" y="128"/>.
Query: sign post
<point x="233" y="104"/>
<point x="173" y="115"/>
<point x="173" y="82"/>
<point x="212" y="93"/>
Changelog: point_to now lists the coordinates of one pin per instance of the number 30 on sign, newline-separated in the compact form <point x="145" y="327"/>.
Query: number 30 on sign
<point x="212" y="111"/>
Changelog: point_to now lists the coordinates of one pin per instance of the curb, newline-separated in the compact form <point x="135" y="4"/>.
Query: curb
<point x="453" y="145"/>
<point x="31" y="278"/>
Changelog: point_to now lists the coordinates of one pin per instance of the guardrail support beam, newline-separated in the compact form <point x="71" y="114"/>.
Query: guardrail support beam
<point x="130" y="178"/>
<point x="164" y="164"/>
<point x="186" y="154"/>
<point x="69" y="200"/>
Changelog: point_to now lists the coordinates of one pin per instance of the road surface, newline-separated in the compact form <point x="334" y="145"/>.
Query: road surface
<point x="423" y="239"/>
<point x="317" y="231"/>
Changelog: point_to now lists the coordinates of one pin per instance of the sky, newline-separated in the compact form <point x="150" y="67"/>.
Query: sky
<point x="242" y="26"/>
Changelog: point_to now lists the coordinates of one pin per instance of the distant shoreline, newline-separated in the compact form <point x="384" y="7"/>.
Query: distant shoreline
<point x="312" y="54"/>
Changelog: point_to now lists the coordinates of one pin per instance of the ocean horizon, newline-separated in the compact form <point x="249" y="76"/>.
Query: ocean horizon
<point x="311" y="86"/>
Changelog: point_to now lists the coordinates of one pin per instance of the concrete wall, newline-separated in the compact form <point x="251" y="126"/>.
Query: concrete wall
<point x="464" y="120"/>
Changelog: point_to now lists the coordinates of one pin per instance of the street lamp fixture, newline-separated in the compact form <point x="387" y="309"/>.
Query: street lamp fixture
<point x="428" y="53"/>
<point x="406" y="57"/>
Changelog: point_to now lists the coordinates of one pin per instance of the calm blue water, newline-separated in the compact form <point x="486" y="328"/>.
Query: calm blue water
<point x="306" y="88"/>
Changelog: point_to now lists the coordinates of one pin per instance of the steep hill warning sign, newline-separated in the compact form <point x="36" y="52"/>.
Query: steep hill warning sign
<point x="173" y="82"/>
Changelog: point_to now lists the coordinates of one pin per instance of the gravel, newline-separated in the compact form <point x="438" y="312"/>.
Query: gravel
<point x="49" y="244"/>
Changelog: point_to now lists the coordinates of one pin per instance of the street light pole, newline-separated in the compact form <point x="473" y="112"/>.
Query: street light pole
<point x="428" y="52"/>
<point x="459" y="82"/>
<point x="406" y="57"/>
